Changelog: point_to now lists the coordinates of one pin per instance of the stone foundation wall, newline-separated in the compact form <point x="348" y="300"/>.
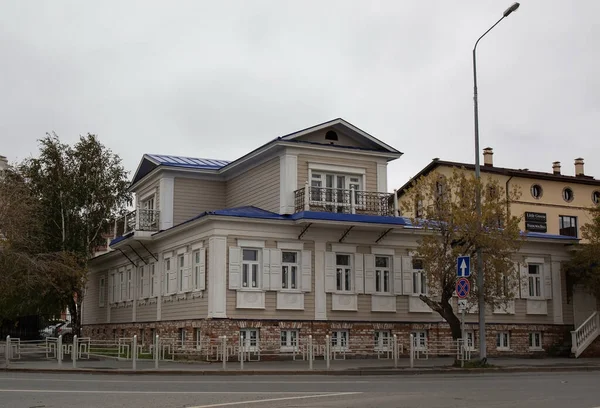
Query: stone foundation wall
<point x="361" y="334"/>
<point x="593" y="350"/>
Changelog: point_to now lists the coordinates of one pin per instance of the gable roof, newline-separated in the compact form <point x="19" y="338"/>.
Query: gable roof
<point x="499" y="170"/>
<point x="150" y="162"/>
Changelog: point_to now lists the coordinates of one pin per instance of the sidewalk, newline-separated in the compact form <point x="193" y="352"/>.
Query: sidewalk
<point x="337" y="367"/>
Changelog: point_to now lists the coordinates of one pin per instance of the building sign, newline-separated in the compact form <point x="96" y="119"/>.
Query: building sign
<point x="535" y="222"/>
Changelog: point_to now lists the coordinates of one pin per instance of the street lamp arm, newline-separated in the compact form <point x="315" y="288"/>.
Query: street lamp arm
<point x="483" y="35"/>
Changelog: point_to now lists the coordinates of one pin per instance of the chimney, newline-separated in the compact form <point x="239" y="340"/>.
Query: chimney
<point x="3" y="163"/>
<point x="579" y="167"/>
<point x="488" y="159"/>
<point x="556" y="168"/>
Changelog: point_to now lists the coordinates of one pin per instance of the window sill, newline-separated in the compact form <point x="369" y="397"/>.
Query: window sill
<point x="536" y="349"/>
<point x="250" y="290"/>
<point x="290" y="291"/>
<point x="386" y="294"/>
<point x="503" y="349"/>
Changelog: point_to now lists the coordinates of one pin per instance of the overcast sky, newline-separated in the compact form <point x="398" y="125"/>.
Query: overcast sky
<point x="216" y="79"/>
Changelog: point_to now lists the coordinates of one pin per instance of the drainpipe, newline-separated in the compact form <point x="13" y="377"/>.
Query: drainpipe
<point x="507" y="200"/>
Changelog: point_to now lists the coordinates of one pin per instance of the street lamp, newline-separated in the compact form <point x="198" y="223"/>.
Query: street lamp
<point x="482" y="348"/>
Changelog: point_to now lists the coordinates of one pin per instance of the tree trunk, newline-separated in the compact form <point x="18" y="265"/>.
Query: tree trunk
<point x="452" y="319"/>
<point x="74" y="308"/>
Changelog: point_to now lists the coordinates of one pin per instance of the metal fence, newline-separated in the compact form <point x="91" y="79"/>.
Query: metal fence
<point x="233" y="352"/>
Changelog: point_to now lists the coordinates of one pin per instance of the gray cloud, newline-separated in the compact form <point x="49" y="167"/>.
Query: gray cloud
<point x="216" y="79"/>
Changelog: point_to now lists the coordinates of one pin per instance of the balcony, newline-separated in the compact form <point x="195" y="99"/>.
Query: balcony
<point x="137" y="220"/>
<point x="348" y="201"/>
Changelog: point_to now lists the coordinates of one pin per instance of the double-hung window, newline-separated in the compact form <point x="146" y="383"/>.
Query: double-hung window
<point x="102" y="293"/>
<point x="383" y="340"/>
<point x="140" y="282"/>
<point x="180" y="272"/>
<point x="250" y="268"/>
<point x="470" y="340"/>
<point x="114" y="288"/>
<point x="503" y="341"/>
<point x="535" y="341"/>
<point x="534" y="277"/>
<point x="152" y="280"/>
<point x="382" y="274"/>
<point x="129" y="284"/>
<point x="339" y="340"/>
<point x="249" y="339"/>
<point x="289" y="270"/>
<point x="419" y="277"/>
<point x="169" y="282"/>
<point x="197" y="275"/>
<point x="289" y="340"/>
<point x="420" y="340"/>
<point x="343" y="274"/>
<point x="123" y="287"/>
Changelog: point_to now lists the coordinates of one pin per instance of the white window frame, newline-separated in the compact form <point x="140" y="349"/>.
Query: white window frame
<point x="198" y="338"/>
<point x="102" y="292"/>
<point x="141" y="272"/>
<point x="168" y="265"/>
<point x="503" y="341"/>
<point x="182" y="336"/>
<point x="196" y="261"/>
<point x="152" y="277"/>
<point x="287" y="274"/>
<point x="289" y="340"/>
<point x="323" y="170"/>
<point x="535" y="281"/>
<point x="535" y="341"/>
<point x="247" y="270"/>
<point x="113" y="283"/>
<point x="470" y="340"/>
<point x="122" y="286"/>
<point x="383" y="340"/>
<point x="344" y="274"/>
<point x="180" y="272"/>
<point x="380" y="276"/>
<point x="420" y="340"/>
<point x="130" y="284"/>
<point x="419" y="279"/>
<point x="340" y="340"/>
<point x="248" y="343"/>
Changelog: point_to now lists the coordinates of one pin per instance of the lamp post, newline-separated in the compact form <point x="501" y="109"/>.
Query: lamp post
<point x="482" y="347"/>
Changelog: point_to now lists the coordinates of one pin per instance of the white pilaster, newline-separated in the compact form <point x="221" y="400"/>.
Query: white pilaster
<point x="557" y="306"/>
<point x="382" y="177"/>
<point x="217" y="277"/>
<point x="134" y="277"/>
<point x="320" y="295"/>
<point x="167" y="188"/>
<point x="288" y="182"/>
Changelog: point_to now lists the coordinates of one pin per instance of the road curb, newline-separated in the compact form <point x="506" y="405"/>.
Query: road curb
<point x="352" y="372"/>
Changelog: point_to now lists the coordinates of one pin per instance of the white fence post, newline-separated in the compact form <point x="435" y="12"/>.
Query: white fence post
<point x="310" y="352"/>
<point x="412" y="351"/>
<point x="74" y="351"/>
<point x="241" y="353"/>
<point x="224" y="349"/>
<point x="134" y="354"/>
<point x="59" y="351"/>
<point x="7" y="350"/>
<point x="156" y="351"/>
<point x="327" y="351"/>
<point x="395" y="350"/>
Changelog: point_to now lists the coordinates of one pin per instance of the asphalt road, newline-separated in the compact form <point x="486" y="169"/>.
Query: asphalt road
<point x="543" y="390"/>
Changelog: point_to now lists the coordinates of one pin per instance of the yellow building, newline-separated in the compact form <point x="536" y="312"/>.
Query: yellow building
<point x="552" y="203"/>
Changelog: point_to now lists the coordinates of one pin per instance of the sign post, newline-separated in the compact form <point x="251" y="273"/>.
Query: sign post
<point x="463" y="287"/>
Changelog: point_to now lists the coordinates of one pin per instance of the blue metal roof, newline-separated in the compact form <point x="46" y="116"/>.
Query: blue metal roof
<point x="188" y="162"/>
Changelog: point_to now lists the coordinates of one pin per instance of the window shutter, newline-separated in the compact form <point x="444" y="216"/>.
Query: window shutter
<point x="524" y="281"/>
<point x="359" y="276"/>
<point x="101" y="292"/>
<point x="275" y="268"/>
<point x="123" y="279"/>
<point x="235" y="267"/>
<point x="187" y="272"/>
<point x="156" y="279"/>
<point x="547" y="276"/>
<point x="172" y="277"/>
<point x="306" y="267"/>
<point x="146" y="282"/>
<point x="266" y="269"/>
<point x="329" y="272"/>
<point x="201" y="284"/>
<point x="369" y="273"/>
<point x="398" y="275"/>
<point x="407" y="276"/>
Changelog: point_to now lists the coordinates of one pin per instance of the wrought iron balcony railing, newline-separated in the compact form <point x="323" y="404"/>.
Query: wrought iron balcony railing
<point x="137" y="220"/>
<point x="348" y="201"/>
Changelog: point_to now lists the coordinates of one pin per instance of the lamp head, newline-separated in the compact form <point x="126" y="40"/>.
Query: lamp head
<point x="512" y="8"/>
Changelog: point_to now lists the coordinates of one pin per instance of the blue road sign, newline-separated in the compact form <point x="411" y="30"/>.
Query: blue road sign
<point x="463" y="287"/>
<point x="463" y="266"/>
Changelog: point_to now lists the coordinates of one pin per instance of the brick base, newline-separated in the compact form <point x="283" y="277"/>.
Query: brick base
<point x="593" y="350"/>
<point x="554" y="337"/>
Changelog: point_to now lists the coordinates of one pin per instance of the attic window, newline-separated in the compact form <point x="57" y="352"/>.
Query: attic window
<point x="331" y="135"/>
